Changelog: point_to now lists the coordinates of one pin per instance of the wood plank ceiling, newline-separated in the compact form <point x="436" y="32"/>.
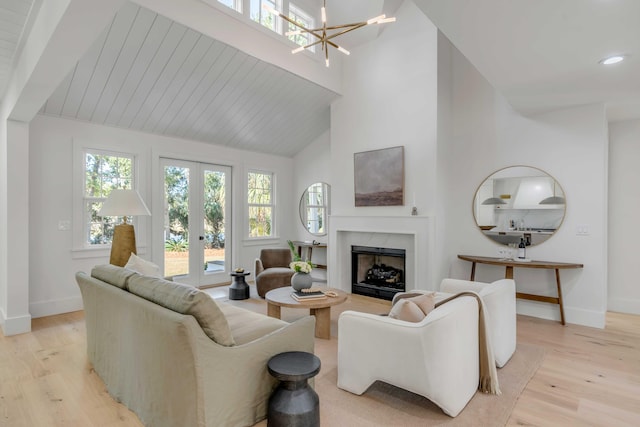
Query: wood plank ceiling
<point x="13" y="18"/>
<point x="150" y="74"/>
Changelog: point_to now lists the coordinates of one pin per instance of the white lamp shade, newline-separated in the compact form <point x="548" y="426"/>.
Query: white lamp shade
<point x="124" y="203"/>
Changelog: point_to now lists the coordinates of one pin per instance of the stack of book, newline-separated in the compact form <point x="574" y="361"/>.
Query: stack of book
<point x="306" y="296"/>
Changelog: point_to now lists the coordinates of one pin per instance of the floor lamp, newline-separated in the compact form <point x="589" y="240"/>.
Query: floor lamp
<point x="123" y="203"/>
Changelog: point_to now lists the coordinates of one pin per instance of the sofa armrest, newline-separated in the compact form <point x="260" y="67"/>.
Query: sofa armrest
<point x="245" y="368"/>
<point x="259" y="268"/>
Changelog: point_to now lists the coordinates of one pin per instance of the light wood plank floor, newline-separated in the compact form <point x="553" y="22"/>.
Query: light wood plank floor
<point x="590" y="377"/>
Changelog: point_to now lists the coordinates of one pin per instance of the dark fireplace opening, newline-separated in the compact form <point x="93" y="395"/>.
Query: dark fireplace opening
<point x="377" y="272"/>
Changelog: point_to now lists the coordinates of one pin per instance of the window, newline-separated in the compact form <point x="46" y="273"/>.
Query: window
<point x="103" y="172"/>
<point x="261" y="204"/>
<point x="233" y="4"/>
<point x="301" y="17"/>
<point x="261" y="15"/>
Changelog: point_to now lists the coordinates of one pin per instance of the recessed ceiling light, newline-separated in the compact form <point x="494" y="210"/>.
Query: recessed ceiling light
<point x="612" y="60"/>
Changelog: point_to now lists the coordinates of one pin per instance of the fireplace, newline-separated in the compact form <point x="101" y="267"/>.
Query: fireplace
<point x="377" y="272"/>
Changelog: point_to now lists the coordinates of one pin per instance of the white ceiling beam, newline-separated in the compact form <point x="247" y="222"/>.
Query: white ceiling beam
<point x="239" y="33"/>
<point x="61" y="34"/>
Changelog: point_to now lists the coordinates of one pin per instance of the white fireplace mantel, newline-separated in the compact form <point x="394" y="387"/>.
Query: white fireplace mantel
<point x="413" y="233"/>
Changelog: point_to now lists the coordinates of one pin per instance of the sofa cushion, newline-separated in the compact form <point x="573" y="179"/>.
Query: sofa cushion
<point x="142" y="266"/>
<point x="406" y="310"/>
<point x="185" y="299"/>
<point x="247" y="326"/>
<point x="112" y="274"/>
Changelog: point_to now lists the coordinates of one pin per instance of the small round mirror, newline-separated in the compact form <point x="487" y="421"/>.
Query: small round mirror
<point x="314" y="207"/>
<point x="519" y="203"/>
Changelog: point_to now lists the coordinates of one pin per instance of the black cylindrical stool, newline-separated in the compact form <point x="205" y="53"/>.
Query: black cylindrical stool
<point x="294" y="403"/>
<point x="239" y="288"/>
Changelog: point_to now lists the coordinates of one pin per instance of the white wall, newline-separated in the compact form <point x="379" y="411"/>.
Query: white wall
<point x="624" y="205"/>
<point x="311" y="165"/>
<point x="52" y="261"/>
<point x="389" y="99"/>
<point x="571" y="145"/>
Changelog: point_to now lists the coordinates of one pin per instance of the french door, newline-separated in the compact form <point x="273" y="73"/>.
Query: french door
<point x="197" y="221"/>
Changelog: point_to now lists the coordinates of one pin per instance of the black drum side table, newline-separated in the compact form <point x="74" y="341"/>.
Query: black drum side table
<point x="294" y="403"/>
<point x="239" y="288"/>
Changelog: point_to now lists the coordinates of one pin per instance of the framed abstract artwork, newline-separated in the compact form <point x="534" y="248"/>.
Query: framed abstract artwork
<point x="379" y="177"/>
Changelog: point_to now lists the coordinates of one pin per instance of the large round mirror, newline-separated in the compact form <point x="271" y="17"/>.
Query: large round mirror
<point x="314" y="208"/>
<point x="519" y="203"/>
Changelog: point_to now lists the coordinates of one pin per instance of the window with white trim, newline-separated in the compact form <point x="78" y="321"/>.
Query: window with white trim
<point x="233" y="4"/>
<point x="261" y="203"/>
<point x="103" y="171"/>
<point x="259" y="14"/>
<point x="303" y="18"/>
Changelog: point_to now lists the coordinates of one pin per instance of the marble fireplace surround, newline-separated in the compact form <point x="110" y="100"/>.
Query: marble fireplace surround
<point x="415" y="234"/>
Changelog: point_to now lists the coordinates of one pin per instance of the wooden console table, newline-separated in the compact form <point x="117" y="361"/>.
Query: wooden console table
<point x="508" y="274"/>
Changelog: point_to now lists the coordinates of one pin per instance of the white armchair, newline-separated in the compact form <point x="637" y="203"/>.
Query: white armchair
<point x="436" y="358"/>
<point x="499" y="299"/>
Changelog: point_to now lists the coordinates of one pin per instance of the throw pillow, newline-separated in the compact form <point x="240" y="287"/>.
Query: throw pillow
<point x="185" y="299"/>
<point x="142" y="266"/>
<point x="426" y="302"/>
<point x="406" y="310"/>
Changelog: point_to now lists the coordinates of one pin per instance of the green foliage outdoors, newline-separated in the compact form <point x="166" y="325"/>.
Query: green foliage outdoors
<point x="176" y="245"/>
<point x="260" y="210"/>
<point x="103" y="173"/>
<point x="177" y="194"/>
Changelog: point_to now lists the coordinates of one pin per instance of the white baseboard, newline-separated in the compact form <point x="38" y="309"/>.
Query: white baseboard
<point x="52" y="307"/>
<point x="15" y="325"/>
<point x="624" y="305"/>
<point x="578" y="316"/>
<point x="548" y="311"/>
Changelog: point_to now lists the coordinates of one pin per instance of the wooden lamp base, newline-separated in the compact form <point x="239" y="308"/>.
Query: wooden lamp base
<point x="123" y="244"/>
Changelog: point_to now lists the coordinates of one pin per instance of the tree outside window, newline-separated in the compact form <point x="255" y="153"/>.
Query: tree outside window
<point x="261" y="205"/>
<point x="103" y="172"/>
<point x="233" y="4"/>
<point x="298" y="15"/>
<point x="261" y="15"/>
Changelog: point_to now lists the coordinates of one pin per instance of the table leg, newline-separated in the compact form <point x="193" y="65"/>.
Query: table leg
<point x="473" y="271"/>
<point x="508" y="272"/>
<point x="323" y="322"/>
<point x="273" y="310"/>
<point x="560" y="296"/>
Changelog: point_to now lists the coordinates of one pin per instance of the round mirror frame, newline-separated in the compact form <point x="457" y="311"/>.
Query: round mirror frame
<point x="302" y="208"/>
<point x="509" y="229"/>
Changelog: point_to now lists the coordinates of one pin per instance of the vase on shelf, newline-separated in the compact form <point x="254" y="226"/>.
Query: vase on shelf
<point x="300" y="281"/>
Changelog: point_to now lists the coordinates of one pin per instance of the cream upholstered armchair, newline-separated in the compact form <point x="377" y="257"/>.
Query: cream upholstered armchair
<point x="272" y="270"/>
<point x="436" y="358"/>
<point x="499" y="299"/>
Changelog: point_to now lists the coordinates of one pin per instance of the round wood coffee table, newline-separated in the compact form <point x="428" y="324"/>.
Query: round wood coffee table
<point x="321" y="308"/>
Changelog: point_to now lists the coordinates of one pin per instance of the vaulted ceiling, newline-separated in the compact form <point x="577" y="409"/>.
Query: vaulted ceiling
<point x="150" y="73"/>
